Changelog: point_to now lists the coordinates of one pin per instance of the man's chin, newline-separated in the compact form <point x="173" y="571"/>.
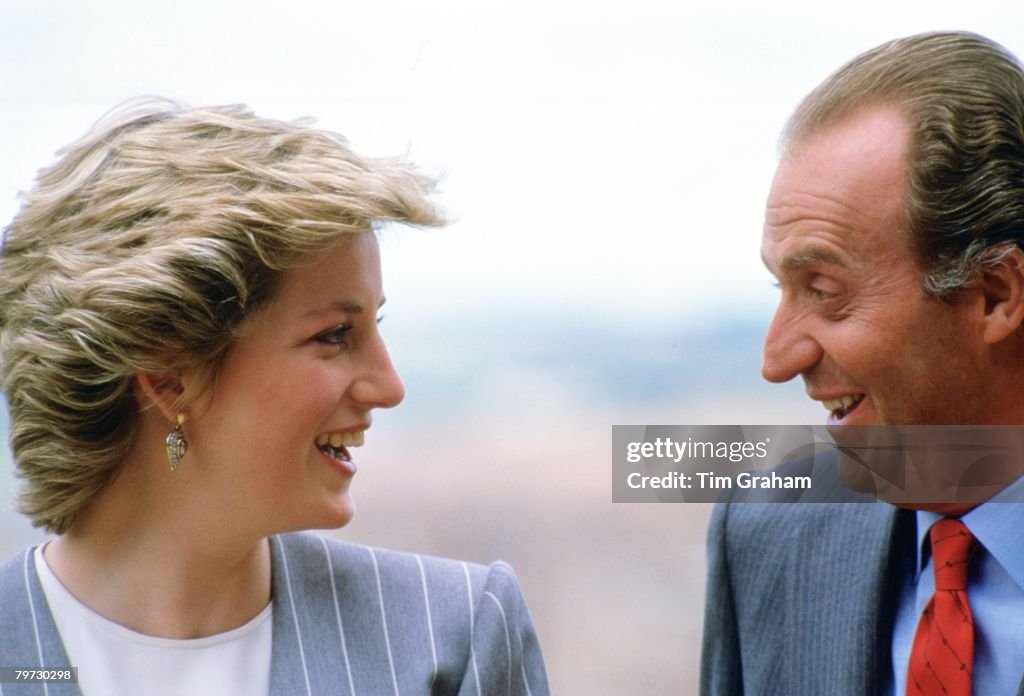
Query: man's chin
<point x="926" y="467"/>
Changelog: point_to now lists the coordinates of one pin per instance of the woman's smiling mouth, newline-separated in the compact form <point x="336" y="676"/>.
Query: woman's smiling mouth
<point x="335" y="445"/>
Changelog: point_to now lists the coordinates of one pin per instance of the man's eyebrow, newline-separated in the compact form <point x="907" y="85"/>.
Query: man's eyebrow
<point x="342" y="305"/>
<point x="807" y="257"/>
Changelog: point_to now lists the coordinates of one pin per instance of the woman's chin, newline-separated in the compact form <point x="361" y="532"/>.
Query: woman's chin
<point x="340" y="514"/>
<point x="332" y="514"/>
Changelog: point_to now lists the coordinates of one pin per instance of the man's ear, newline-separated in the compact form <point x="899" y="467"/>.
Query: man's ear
<point x="1002" y="286"/>
<point x="161" y="391"/>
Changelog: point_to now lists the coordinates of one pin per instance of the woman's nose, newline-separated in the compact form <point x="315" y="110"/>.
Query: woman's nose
<point x="379" y="384"/>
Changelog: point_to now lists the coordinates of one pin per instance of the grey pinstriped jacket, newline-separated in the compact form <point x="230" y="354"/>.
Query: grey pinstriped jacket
<point x="801" y="598"/>
<point x="348" y="619"/>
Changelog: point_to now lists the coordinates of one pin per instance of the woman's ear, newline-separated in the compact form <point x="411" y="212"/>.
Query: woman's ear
<point x="161" y="391"/>
<point x="1003" y="288"/>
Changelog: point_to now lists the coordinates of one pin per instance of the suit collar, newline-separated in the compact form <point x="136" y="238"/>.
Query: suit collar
<point x="294" y="664"/>
<point x="28" y="633"/>
<point x="845" y="577"/>
<point x="306" y="644"/>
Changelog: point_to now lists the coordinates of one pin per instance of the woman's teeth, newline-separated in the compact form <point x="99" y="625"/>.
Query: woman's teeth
<point x="335" y="445"/>
<point x="341" y="439"/>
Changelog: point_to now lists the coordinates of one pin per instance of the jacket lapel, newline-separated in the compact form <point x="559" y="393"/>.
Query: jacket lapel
<point x="289" y="670"/>
<point x="842" y="591"/>
<point x="28" y="634"/>
<point x="306" y="643"/>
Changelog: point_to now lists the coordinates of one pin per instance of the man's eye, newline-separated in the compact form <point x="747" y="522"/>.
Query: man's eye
<point x="335" y="336"/>
<point x="824" y="288"/>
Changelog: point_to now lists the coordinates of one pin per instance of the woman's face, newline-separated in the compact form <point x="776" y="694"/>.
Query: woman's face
<point x="293" y="398"/>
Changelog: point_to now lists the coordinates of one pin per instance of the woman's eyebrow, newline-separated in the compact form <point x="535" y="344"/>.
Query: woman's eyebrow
<point x="343" y="305"/>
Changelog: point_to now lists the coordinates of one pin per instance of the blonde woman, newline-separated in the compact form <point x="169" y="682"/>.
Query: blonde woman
<point x="190" y="355"/>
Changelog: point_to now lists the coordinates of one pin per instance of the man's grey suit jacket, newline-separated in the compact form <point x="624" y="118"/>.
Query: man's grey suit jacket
<point x="801" y="597"/>
<point x="347" y="619"/>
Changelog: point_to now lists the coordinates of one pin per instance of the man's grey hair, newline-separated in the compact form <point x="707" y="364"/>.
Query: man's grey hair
<point x="963" y="96"/>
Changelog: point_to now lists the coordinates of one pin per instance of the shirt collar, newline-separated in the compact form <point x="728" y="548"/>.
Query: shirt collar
<point x="994" y="523"/>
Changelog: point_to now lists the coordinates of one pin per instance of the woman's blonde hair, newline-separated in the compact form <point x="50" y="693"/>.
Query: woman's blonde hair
<point x="144" y="248"/>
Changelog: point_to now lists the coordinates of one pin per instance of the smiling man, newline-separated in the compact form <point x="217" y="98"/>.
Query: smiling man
<point x="894" y="227"/>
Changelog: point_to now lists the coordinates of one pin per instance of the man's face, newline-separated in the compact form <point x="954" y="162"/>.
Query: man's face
<point x="852" y="319"/>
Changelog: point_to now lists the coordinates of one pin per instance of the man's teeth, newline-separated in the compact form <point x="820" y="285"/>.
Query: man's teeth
<point x="337" y="440"/>
<point x="842" y="403"/>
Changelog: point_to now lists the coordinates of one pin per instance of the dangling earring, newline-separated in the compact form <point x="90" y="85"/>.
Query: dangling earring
<point x="177" y="445"/>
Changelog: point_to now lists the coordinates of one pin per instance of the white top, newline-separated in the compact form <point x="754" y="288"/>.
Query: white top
<point x="113" y="660"/>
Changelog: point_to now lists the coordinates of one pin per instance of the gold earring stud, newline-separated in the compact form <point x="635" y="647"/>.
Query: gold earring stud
<point x="176" y="443"/>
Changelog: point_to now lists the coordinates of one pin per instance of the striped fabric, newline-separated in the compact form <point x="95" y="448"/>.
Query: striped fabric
<point x="348" y="619"/>
<point x="801" y="598"/>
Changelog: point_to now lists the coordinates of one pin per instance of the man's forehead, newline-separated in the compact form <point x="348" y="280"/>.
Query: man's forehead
<point x="838" y="198"/>
<point x="875" y="137"/>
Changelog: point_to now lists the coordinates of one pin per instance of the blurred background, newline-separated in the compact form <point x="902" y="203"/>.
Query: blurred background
<point x="605" y="165"/>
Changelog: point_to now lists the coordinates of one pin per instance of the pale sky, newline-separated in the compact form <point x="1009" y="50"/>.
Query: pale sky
<point x="607" y="160"/>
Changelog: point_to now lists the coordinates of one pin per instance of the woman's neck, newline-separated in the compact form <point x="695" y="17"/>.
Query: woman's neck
<point x="161" y="578"/>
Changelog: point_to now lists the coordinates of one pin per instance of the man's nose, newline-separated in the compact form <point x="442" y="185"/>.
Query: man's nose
<point x="789" y="347"/>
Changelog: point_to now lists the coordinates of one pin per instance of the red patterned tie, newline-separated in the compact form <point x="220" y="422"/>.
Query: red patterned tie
<point x="942" y="657"/>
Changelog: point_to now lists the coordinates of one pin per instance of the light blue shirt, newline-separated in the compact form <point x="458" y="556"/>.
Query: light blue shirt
<point x="995" y="592"/>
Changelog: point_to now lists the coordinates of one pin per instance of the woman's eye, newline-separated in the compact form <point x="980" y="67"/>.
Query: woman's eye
<point x="335" y="336"/>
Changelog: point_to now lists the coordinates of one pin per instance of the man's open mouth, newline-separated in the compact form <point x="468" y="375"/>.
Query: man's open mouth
<point x="842" y="407"/>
